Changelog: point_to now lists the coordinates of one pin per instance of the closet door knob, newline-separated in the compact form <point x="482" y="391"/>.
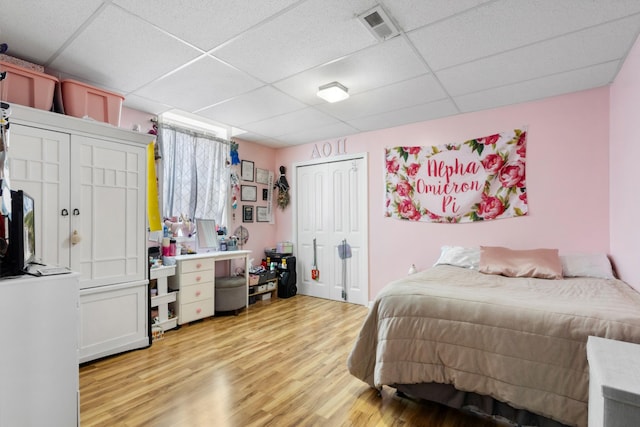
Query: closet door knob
<point x="76" y="211"/>
<point x="64" y="212"/>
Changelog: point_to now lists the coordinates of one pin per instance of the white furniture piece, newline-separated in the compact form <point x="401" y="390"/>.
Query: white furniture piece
<point x="614" y="383"/>
<point x="195" y="282"/>
<point x="88" y="180"/>
<point x="39" y="357"/>
<point x="163" y="298"/>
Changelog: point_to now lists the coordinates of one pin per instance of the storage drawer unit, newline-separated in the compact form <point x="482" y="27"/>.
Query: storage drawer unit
<point x="194" y="281"/>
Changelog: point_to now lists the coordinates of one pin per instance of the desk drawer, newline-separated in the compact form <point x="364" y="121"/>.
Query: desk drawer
<point x="195" y="292"/>
<point x="196" y="277"/>
<point x="196" y="310"/>
<point x="190" y="265"/>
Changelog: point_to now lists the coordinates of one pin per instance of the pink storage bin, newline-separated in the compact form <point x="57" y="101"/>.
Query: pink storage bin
<point x="27" y="87"/>
<point x="22" y="63"/>
<point x="81" y="100"/>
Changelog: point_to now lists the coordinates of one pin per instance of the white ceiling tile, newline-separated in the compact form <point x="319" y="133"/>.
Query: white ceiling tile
<point x="573" y="51"/>
<point x="119" y="50"/>
<point x="373" y="67"/>
<point x="572" y="81"/>
<point x="201" y="83"/>
<point x="205" y="23"/>
<point x="416" y="91"/>
<point x="412" y="14"/>
<point x="314" y="32"/>
<point x="498" y="26"/>
<point x="23" y="24"/>
<point x="162" y="54"/>
<point x="417" y="113"/>
<point x="296" y="121"/>
<point x="253" y="106"/>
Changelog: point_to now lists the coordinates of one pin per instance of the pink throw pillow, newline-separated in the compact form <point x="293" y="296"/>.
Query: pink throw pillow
<point x="539" y="263"/>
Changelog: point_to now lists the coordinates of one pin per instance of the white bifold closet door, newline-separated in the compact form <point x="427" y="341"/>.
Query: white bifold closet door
<point x="331" y="206"/>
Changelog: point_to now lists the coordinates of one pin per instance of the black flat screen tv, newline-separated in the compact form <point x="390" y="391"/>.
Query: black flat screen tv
<point x="22" y="237"/>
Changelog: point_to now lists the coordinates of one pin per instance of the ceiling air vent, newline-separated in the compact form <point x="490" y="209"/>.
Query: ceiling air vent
<point x="378" y="22"/>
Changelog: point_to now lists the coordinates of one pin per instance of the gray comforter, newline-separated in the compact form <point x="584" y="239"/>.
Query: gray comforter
<point x="521" y="341"/>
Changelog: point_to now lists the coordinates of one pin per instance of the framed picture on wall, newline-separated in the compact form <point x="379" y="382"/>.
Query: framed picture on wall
<point x="247" y="213"/>
<point x="262" y="176"/>
<point x="248" y="193"/>
<point x="262" y="214"/>
<point x="246" y="170"/>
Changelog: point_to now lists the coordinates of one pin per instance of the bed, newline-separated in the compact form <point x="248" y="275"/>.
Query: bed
<point x="517" y="341"/>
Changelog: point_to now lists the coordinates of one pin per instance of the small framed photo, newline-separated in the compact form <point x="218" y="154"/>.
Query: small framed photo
<point x="246" y="170"/>
<point x="265" y="194"/>
<point x="262" y="176"/>
<point x="262" y="214"/>
<point x="247" y="213"/>
<point x="248" y="193"/>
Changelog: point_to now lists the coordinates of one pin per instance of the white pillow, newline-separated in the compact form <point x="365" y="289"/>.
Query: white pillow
<point x="586" y="265"/>
<point x="460" y="257"/>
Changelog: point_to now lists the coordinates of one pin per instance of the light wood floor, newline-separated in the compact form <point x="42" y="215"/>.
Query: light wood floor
<point x="279" y="363"/>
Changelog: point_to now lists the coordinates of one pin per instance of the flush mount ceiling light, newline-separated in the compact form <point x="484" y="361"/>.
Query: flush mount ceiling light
<point x="333" y="92"/>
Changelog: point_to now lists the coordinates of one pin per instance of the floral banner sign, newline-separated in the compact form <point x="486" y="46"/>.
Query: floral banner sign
<point x="477" y="180"/>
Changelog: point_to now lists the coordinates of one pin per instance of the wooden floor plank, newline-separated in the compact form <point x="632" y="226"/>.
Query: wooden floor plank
<point x="279" y="363"/>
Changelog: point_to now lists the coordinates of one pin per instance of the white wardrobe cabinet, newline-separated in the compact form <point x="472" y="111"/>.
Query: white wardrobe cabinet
<point x="88" y="180"/>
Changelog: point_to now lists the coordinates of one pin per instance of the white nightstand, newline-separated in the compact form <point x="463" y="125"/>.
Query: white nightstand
<point x="614" y="383"/>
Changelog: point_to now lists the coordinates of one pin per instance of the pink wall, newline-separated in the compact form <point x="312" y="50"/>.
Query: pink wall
<point x="567" y="182"/>
<point x="261" y="234"/>
<point x="624" y="154"/>
<point x="130" y="119"/>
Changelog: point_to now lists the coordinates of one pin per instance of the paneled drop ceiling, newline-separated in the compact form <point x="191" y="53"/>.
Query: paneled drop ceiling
<point x="256" y="65"/>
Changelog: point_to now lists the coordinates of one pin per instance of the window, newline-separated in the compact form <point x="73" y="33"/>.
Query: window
<point x="195" y="176"/>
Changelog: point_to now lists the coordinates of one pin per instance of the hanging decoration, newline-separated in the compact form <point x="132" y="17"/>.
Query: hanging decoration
<point x="5" y="185"/>
<point x="270" y="188"/>
<point x="477" y="180"/>
<point x="283" y="189"/>
<point x="235" y="188"/>
<point x="153" y="205"/>
<point x="242" y="234"/>
<point x="233" y="153"/>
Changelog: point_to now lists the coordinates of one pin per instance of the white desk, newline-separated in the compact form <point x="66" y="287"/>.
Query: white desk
<point x="195" y="282"/>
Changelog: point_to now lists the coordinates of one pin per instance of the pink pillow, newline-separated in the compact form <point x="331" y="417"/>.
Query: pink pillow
<point x="540" y="263"/>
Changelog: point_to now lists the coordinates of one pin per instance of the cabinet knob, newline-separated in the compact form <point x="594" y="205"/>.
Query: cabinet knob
<point x="198" y="310"/>
<point x="197" y="293"/>
<point x="198" y="278"/>
<point x="75" y="237"/>
<point x="76" y="211"/>
<point x="198" y="265"/>
<point x="64" y="212"/>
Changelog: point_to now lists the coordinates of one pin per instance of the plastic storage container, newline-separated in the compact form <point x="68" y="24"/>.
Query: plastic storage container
<point x="22" y="63"/>
<point x="284" y="247"/>
<point x="82" y="100"/>
<point x="27" y="87"/>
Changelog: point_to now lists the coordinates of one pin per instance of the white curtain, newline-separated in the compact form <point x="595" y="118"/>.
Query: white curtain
<point x="195" y="178"/>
